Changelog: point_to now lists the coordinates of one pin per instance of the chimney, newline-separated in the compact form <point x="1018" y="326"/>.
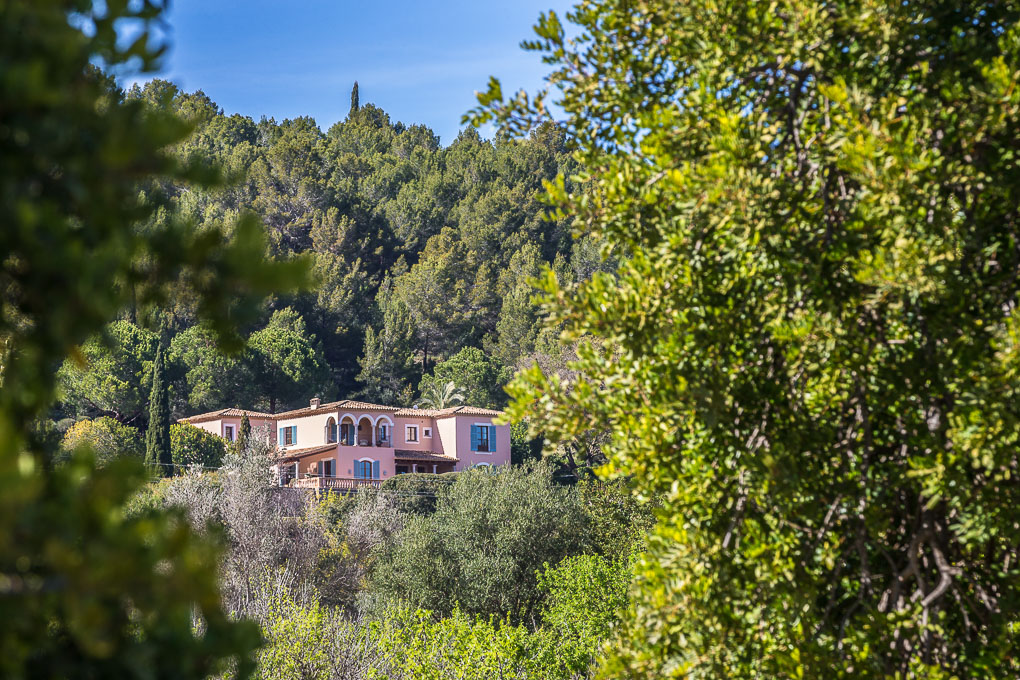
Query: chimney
<point x="314" y="403"/>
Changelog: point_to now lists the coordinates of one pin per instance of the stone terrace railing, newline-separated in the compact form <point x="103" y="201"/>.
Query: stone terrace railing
<point x="334" y="483"/>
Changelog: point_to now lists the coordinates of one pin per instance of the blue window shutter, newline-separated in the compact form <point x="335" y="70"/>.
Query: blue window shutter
<point x="282" y="442"/>
<point x="474" y="437"/>
<point x="293" y="434"/>
<point x="357" y="469"/>
<point x="375" y="469"/>
<point x="492" y="439"/>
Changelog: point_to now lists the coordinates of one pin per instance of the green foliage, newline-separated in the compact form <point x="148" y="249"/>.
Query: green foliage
<point x="417" y="494"/>
<point x="244" y="432"/>
<point x="157" y="435"/>
<point x="524" y="448"/>
<point x="438" y="395"/>
<point x="309" y="641"/>
<point x="289" y="360"/>
<point x="211" y="379"/>
<point x="617" y="521"/>
<point x="482" y="546"/>
<point x="190" y="445"/>
<point x="419" y="250"/>
<point x="477" y="376"/>
<point x="87" y="592"/>
<point x="111" y="374"/>
<point x="586" y="596"/>
<point x="107" y="439"/>
<point x="92" y="625"/>
<point x="414" y="645"/>
<point x="809" y="344"/>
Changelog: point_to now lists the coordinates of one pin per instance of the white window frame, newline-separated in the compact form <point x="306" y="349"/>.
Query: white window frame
<point x="490" y="439"/>
<point x="407" y="433"/>
<point x="426" y="432"/>
<point x="371" y="464"/>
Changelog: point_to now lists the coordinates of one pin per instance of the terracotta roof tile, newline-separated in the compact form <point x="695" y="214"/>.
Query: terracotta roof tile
<point x="336" y="405"/>
<point x="291" y="455"/>
<point x="428" y="456"/>
<point x="365" y="406"/>
<point x="226" y="413"/>
<point x="447" y="412"/>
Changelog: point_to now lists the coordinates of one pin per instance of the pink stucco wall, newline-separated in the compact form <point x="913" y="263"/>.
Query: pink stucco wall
<point x="501" y="455"/>
<point x="424" y="443"/>
<point x="451" y="435"/>
<point x="218" y="426"/>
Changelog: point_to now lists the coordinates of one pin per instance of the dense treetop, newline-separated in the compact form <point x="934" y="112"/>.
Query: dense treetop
<point x="420" y="251"/>
<point x="810" y="345"/>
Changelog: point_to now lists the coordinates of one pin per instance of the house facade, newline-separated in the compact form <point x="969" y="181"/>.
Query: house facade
<point x="321" y="444"/>
<point x="226" y="422"/>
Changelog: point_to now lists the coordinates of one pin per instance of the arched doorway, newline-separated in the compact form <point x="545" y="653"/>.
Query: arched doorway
<point x="347" y="428"/>
<point x="383" y="431"/>
<point x="365" y="431"/>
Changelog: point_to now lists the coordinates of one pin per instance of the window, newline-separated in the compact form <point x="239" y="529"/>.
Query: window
<point x="327" y="468"/>
<point x="228" y="432"/>
<point x="288" y="435"/>
<point x="366" y="469"/>
<point x="330" y="431"/>
<point x="411" y="433"/>
<point x="384" y="435"/>
<point x="427" y="432"/>
<point x="347" y="434"/>
<point x="483" y="438"/>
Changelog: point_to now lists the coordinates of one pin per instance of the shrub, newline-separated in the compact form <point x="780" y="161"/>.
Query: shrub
<point x="414" y="645"/>
<point x="481" y="548"/>
<point x="416" y="494"/>
<point x="586" y="595"/>
<point x="107" y="438"/>
<point x="190" y="445"/>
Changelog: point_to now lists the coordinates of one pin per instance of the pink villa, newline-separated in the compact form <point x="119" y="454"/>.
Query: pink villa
<point x="344" y="444"/>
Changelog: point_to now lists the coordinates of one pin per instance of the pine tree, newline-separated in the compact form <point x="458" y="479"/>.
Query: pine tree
<point x="245" y="432"/>
<point x="157" y="438"/>
<point x="355" y="100"/>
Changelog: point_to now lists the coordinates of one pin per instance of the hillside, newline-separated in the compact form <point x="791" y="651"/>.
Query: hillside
<point x="420" y="252"/>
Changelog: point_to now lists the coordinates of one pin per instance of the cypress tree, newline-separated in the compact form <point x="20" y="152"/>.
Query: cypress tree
<point x="244" y="433"/>
<point x="157" y="438"/>
<point x="355" y="100"/>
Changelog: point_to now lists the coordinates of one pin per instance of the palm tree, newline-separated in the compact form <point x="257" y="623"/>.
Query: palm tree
<point x="438" y="396"/>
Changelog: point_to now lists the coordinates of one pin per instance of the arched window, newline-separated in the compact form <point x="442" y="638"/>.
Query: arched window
<point x="347" y="431"/>
<point x="383" y="430"/>
<point x="366" y="469"/>
<point x="331" y="431"/>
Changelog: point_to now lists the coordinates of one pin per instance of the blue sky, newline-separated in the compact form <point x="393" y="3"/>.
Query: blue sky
<point x="420" y="61"/>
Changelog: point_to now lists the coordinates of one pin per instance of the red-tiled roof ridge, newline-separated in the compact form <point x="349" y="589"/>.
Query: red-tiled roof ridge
<point x="298" y="411"/>
<point x="226" y="413"/>
<point x="449" y="411"/>
<point x="335" y="405"/>
<point x="351" y="404"/>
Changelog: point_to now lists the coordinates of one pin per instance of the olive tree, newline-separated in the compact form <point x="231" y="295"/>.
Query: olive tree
<point x="810" y="342"/>
<point x="90" y="591"/>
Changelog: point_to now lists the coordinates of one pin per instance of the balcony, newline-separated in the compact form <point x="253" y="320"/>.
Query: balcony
<point x="334" y="483"/>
